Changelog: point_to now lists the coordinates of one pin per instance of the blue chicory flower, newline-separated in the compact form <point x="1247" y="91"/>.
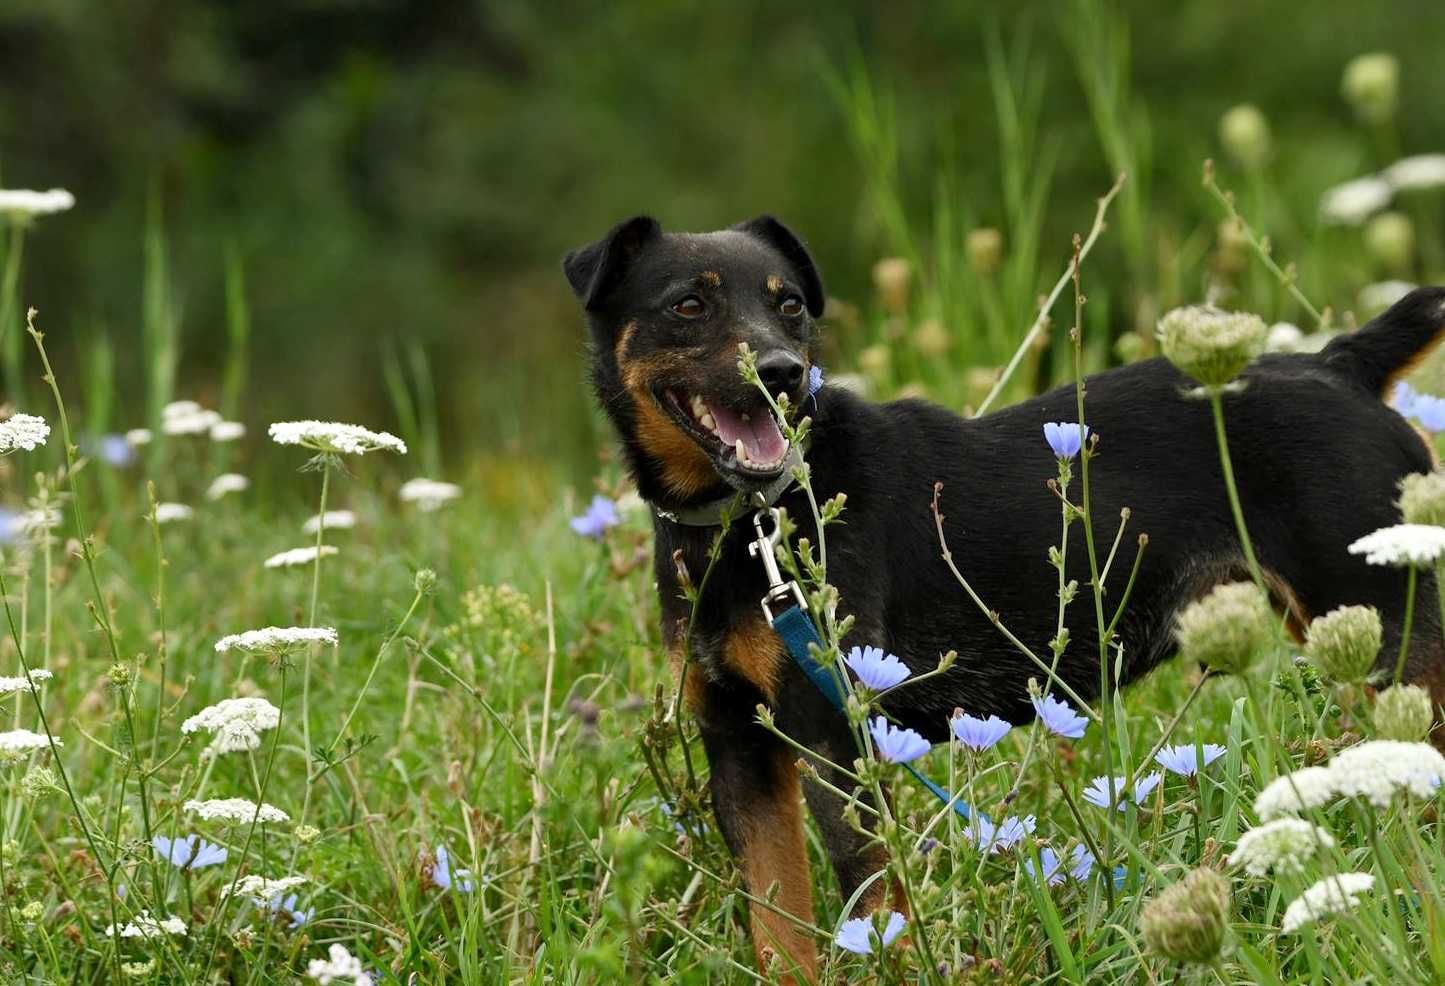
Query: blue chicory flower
<point x="1065" y="437"/>
<point x="441" y="873"/>
<point x="188" y="853"/>
<point x="897" y="745"/>
<point x="858" y="935"/>
<point x="815" y="379"/>
<point x="979" y="734"/>
<point x="287" y="906"/>
<point x="990" y="837"/>
<point x="875" y="669"/>
<point x="601" y="514"/>
<point x="1051" y="865"/>
<point x="1060" y="718"/>
<point x="1184" y="759"/>
<point x="1083" y="863"/>
<point x="1097" y="793"/>
<point x="11" y="525"/>
<point x="1427" y="409"/>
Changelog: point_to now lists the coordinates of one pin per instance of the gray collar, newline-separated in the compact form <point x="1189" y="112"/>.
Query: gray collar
<point x="710" y="514"/>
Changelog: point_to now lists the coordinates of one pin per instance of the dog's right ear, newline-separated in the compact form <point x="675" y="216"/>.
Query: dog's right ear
<point x="594" y="269"/>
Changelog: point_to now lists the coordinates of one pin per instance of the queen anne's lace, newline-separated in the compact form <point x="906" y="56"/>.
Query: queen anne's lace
<point x="1283" y="845"/>
<point x="340" y="966"/>
<point x="237" y="723"/>
<point x="18" y="743"/>
<point x="1296" y="792"/>
<point x="298" y="556"/>
<point x="9" y="685"/>
<point x="235" y="810"/>
<point x="1331" y="895"/>
<point x="27" y="204"/>
<point x="23" y="431"/>
<point x="1380" y="769"/>
<point x="145" y="926"/>
<point x="263" y="890"/>
<point x="1403" y="545"/>
<point x="272" y="640"/>
<point x="332" y="520"/>
<point x="335" y="437"/>
<point x="428" y="494"/>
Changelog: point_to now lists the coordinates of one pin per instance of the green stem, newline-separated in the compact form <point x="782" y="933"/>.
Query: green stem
<point x="1405" y="630"/>
<point x="311" y="650"/>
<point x="1216" y="404"/>
<point x="366" y="685"/>
<point x="12" y="345"/>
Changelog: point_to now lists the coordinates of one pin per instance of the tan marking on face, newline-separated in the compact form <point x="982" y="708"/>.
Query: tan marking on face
<point x="624" y="339"/>
<point x="711" y="278"/>
<point x="774" y="851"/>
<point x="775" y="285"/>
<point x="754" y="652"/>
<point x="686" y="468"/>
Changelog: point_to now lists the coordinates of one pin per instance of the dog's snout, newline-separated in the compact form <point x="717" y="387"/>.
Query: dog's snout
<point x="781" y="371"/>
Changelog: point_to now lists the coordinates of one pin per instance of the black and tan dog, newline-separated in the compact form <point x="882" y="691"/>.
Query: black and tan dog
<point x="1317" y="456"/>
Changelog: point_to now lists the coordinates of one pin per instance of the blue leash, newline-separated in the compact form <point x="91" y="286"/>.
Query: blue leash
<point x="797" y="631"/>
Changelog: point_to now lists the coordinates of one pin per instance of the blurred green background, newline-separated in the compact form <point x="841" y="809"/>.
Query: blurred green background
<point x="389" y="185"/>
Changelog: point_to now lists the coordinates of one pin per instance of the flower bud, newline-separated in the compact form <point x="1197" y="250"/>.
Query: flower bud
<point x="1404" y="713"/>
<point x="1187" y="921"/>
<point x="891" y="276"/>
<point x="876" y="360"/>
<point x="1344" y="642"/>
<point x="984" y="247"/>
<point x="32" y="911"/>
<point x="306" y="834"/>
<point x="1209" y="344"/>
<point x="1227" y="628"/>
<point x="426" y="580"/>
<point x="1130" y="347"/>
<point x="931" y="338"/>
<point x="1371" y="85"/>
<point x="119" y="675"/>
<point x="39" y="782"/>
<point x="1422" y="498"/>
<point x="1244" y="132"/>
<point x="1390" y="238"/>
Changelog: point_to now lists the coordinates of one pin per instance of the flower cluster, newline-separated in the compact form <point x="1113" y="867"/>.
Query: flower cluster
<point x="1402" y="546"/>
<point x="235" y="811"/>
<point x="428" y="494"/>
<point x="1211" y="345"/>
<point x="1332" y="895"/>
<point x="22" y="204"/>
<point x="17" y="744"/>
<point x="340" y="966"/>
<point x="335" y="438"/>
<point x="1282" y="845"/>
<point x="145" y="926"/>
<point x="332" y="520"/>
<point x="1375" y="771"/>
<point x="1227" y="628"/>
<point x="276" y="640"/>
<point x="226" y="483"/>
<point x="16" y="684"/>
<point x="23" y="431"/>
<point x="236" y="723"/>
<point x="296" y="557"/>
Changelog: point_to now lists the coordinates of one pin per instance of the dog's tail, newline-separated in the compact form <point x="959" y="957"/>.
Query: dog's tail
<point x="1391" y="344"/>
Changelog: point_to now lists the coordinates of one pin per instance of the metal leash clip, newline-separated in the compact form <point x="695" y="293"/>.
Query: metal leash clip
<point x="765" y="548"/>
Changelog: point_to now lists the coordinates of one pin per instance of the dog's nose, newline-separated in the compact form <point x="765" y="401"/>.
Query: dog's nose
<point x="781" y="371"/>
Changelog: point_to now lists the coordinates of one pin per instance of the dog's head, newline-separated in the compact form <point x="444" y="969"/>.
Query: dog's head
<point x="668" y="312"/>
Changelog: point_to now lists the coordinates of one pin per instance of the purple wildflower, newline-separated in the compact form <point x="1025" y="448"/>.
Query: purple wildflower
<point x="875" y="669"/>
<point x="287" y="906"/>
<point x="188" y="853"/>
<point x="1097" y="793"/>
<point x="1185" y="760"/>
<point x="1060" y="718"/>
<point x="601" y="514"/>
<point x="441" y="873"/>
<point x="990" y="837"/>
<point x="897" y="745"/>
<point x="858" y="935"/>
<point x="815" y="379"/>
<point x="1065" y="437"/>
<point x="1051" y="865"/>
<point x="979" y="734"/>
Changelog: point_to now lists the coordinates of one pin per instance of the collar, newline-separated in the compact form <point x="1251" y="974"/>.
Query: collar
<point x="710" y="514"/>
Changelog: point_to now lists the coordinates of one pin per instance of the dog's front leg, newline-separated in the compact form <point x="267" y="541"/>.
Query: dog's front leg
<point x="758" y="803"/>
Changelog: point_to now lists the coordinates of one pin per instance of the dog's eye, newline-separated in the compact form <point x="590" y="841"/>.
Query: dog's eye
<point x="792" y="306"/>
<point x="689" y="307"/>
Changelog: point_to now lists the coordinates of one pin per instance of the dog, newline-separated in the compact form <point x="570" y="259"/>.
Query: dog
<point x="1317" y="455"/>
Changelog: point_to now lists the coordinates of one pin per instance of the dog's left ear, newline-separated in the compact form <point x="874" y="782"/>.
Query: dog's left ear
<point x="592" y="270"/>
<point x="786" y="242"/>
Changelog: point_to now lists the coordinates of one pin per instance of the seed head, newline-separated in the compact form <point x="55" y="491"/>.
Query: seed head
<point x="1371" y="85"/>
<point x="1345" y="642"/>
<point x="1422" y="498"/>
<point x="1211" y="345"/>
<point x="1404" y="712"/>
<point x="1227" y="628"/>
<point x="1244" y="132"/>
<point x="1390" y="238"/>
<point x="1187" y="921"/>
<point x="985" y="249"/>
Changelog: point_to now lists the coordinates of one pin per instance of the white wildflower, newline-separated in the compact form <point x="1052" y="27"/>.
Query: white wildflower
<point x="1355" y="201"/>
<point x="145" y="926"/>
<point x="298" y="556"/>
<point x="1282" y="845"/>
<point x="227" y="482"/>
<point x="227" y="431"/>
<point x="1331" y="895"/>
<point x="274" y="640"/>
<point x="1417" y="171"/>
<point x="428" y="494"/>
<point x="38" y="521"/>
<point x="1402" y="545"/>
<point x="167" y="513"/>
<point x="25" y="431"/>
<point x="17" y="744"/>
<point x="237" y="723"/>
<point x="238" y="811"/>
<point x="1377" y="770"/>
<point x="11" y="685"/>
<point x="1307" y="788"/>
<point x="23" y="204"/>
<point x="340" y="967"/>
<point x="263" y="890"/>
<point x="187" y="418"/>
<point x="137" y="437"/>
<point x="334" y="437"/>
<point x="1381" y="295"/>
<point x="332" y="520"/>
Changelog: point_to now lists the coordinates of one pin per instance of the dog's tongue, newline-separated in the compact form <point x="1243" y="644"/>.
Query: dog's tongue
<point x="760" y="435"/>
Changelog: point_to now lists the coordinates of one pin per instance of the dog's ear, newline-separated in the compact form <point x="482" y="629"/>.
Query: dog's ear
<point x="786" y="242"/>
<point x="594" y="269"/>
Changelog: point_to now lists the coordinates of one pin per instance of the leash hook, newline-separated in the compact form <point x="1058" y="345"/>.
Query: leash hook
<point x="764" y="547"/>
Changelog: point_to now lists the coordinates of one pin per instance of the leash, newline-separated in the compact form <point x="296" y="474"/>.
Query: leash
<point x="796" y="629"/>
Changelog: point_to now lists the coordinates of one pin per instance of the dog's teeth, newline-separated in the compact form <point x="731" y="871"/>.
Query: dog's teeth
<point x="698" y="407"/>
<point x="707" y="422"/>
<point x="746" y="419"/>
<point x="742" y="452"/>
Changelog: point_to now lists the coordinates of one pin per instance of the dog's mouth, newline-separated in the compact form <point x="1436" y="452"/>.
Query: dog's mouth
<point x="744" y="445"/>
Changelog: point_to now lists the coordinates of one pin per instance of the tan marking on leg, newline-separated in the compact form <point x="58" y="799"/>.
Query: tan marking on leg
<point x="754" y="652"/>
<point x="1413" y="363"/>
<point x="1433" y="681"/>
<point x="1296" y="617"/>
<point x="775" y="852"/>
<point x="775" y="284"/>
<point x="711" y="278"/>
